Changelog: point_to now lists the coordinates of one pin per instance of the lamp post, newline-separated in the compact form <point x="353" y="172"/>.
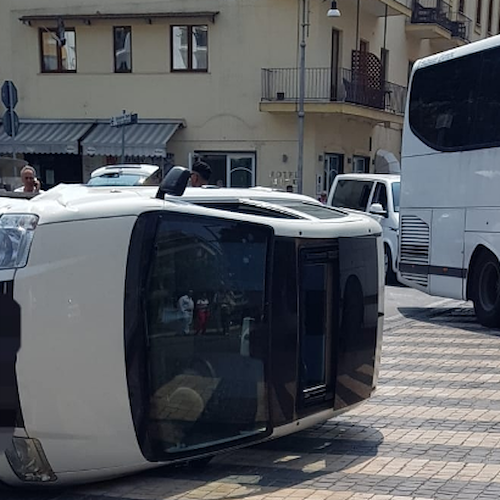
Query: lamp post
<point x="333" y="12"/>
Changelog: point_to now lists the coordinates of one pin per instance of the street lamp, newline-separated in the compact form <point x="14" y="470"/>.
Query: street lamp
<point x="333" y="12"/>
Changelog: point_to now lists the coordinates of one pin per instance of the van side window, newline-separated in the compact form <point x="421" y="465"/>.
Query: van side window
<point x="353" y="194"/>
<point x="380" y="195"/>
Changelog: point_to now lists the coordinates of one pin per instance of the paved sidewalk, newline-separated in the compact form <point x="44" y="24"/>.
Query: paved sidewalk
<point x="432" y="431"/>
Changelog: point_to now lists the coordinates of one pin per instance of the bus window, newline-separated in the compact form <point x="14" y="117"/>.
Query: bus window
<point x="486" y="130"/>
<point x="442" y="102"/>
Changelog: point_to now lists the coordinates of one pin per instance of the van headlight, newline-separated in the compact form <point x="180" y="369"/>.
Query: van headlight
<point x="16" y="235"/>
<point x="28" y="460"/>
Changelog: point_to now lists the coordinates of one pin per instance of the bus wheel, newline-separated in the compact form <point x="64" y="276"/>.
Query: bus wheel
<point x="487" y="290"/>
<point x="390" y="276"/>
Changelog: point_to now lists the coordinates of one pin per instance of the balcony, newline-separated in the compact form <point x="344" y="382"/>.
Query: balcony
<point x="434" y="19"/>
<point x="380" y="8"/>
<point x="344" y="92"/>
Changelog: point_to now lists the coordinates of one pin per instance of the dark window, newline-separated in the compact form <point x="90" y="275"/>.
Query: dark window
<point x="396" y="190"/>
<point x="122" y="39"/>
<point x="360" y="164"/>
<point x="206" y="332"/>
<point x="380" y="195"/>
<point x="461" y="6"/>
<point x="189" y="48"/>
<point x="410" y="69"/>
<point x="354" y="194"/>
<point x="384" y="60"/>
<point x="442" y="102"/>
<point x="456" y="105"/>
<point x="486" y="130"/>
<point x="478" y="12"/>
<point x="57" y="56"/>
<point x="319" y="317"/>
<point x="490" y="16"/>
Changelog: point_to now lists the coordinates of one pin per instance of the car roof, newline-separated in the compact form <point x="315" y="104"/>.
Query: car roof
<point x="371" y="177"/>
<point x="126" y="168"/>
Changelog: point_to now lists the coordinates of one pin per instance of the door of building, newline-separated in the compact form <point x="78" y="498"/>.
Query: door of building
<point x="334" y="164"/>
<point x="229" y="169"/>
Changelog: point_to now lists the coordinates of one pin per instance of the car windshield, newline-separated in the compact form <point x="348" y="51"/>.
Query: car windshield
<point x="396" y="189"/>
<point x="117" y="180"/>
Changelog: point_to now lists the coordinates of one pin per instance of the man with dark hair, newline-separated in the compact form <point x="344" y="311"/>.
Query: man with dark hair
<point x="200" y="174"/>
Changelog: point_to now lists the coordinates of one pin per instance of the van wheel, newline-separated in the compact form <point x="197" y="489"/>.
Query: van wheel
<point x="390" y="276"/>
<point x="486" y="290"/>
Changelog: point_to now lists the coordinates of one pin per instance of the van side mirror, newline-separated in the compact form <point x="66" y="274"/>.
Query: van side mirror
<point x="174" y="183"/>
<point x="377" y="209"/>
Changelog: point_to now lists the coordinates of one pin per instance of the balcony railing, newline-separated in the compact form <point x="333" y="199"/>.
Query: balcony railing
<point x="440" y="13"/>
<point x="325" y="85"/>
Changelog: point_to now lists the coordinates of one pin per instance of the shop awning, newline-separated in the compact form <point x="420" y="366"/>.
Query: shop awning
<point x="52" y="137"/>
<point x="148" y="138"/>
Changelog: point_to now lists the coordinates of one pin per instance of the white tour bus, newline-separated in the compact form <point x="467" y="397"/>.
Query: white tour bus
<point x="159" y="328"/>
<point x="450" y="185"/>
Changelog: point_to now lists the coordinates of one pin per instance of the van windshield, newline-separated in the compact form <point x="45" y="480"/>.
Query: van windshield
<point x="350" y="193"/>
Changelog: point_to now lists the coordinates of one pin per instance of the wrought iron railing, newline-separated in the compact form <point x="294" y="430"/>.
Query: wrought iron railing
<point x="439" y="12"/>
<point x="324" y="85"/>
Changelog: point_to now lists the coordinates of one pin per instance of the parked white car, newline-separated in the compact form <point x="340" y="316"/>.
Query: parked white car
<point x="377" y="195"/>
<point x="127" y="174"/>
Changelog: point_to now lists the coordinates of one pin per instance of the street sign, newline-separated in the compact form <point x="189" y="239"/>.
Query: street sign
<point x="124" y="119"/>
<point x="10" y="123"/>
<point x="9" y="94"/>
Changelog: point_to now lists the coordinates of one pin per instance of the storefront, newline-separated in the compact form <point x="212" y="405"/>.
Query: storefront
<point x="66" y="151"/>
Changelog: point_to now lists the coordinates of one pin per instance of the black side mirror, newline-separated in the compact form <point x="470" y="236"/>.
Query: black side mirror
<point x="174" y="183"/>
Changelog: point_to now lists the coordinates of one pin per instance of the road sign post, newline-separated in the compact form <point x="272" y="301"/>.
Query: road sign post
<point x="122" y="121"/>
<point x="10" y="118"/>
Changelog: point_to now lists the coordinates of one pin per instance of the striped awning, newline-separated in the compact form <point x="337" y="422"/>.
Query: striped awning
<point x="52" y="136"/>
<point x="141" y="139"/>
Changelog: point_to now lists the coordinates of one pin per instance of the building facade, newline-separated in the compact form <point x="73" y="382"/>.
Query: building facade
<point x="220" y="81"/>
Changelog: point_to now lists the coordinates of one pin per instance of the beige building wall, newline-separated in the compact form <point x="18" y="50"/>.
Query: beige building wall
<point x="220" y="107"/>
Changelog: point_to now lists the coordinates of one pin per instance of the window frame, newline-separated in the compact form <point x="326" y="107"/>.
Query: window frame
<point x="116" y="70"/>
<point x="190" y="68"/>
<point x="59" y="69"/>
<point x="479" y="6"/>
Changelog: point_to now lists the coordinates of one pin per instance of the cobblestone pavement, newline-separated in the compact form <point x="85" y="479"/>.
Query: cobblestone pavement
<point x="432" y="431"/>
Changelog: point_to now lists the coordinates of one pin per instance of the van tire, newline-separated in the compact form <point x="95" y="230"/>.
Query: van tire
<point x="486" y="290"/>
<point x="390" y="275"/>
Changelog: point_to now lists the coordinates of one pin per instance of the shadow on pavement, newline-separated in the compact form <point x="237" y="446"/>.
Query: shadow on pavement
<point x="299" y="459"/>
<point x="462" y="317"/>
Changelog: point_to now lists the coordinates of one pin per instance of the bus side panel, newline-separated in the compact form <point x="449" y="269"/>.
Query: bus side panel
<point x="446" y="264"/>
<point x="482" y="228"/>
